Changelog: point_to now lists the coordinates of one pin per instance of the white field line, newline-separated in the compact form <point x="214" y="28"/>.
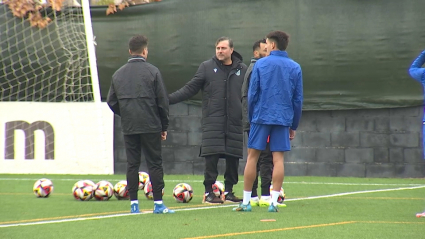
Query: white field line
<point x="200" y="181"/>
<point x="357" y="192"/>
<point x="201" y="208"/>
<point x="67" y="220"/>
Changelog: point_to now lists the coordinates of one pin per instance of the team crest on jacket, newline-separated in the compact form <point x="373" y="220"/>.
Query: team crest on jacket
<point x="215" y="69"/>
<point x="238" y="73"/>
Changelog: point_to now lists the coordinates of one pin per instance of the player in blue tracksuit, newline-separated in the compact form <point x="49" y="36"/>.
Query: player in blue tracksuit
<point x="418" y="73"/>
<point x="275" y="98"/>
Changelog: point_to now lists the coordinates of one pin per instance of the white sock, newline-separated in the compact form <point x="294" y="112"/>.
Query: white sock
<point x="265" y="198"/>
<point x="275" y="196"/>
<point x="134" y="202"/>
<point x="158" y="202"/>
<point x="246" y="197"/>
<point x="254" y="198"/>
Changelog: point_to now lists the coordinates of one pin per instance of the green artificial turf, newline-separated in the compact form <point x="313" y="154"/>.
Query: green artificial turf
<point x="317" y="207"/>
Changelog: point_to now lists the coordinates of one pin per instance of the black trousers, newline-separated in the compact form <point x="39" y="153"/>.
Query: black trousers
<point x="265" y="170"/>
<point x="150" y="143"/>
<point x="211" y="172"/>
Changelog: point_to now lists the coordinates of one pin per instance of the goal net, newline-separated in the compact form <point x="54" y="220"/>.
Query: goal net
<point x="44" y="65"/>
<point x="52" y="120"/>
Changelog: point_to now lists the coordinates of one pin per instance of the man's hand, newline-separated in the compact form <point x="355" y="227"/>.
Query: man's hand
<point x="163" y="135"/>
<point x="291" y="134"/>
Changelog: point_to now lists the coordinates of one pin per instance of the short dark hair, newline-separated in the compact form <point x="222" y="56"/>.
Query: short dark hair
<point x="280" y="38"/>
<point x="137" y="44"/>
<point x="257" y="44"/>
<point x="224" y="39"/>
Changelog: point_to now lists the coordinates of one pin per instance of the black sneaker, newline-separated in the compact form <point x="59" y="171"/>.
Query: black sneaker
<point x="230" y="197"/>
<point x="211" y="198"/>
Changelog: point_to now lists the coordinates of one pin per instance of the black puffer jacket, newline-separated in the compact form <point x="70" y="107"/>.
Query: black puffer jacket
<point x="221" y="105"/>
<point x="138" y="95"/>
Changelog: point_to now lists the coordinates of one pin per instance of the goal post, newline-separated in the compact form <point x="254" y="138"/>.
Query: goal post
<point x="91" y="51"/>
<point x="52" y="119"/>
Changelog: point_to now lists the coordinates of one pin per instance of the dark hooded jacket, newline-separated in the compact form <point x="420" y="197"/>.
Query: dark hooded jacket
<point x="221" y="105"/>
<point x="245" y="122"/>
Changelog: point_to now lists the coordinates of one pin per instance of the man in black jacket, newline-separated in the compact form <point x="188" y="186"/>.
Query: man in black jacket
<point x="220" y="80"/>
<point x="138" y="95"/>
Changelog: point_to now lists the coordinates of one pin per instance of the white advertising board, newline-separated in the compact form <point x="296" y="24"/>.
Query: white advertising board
<point x="56" y="138"/>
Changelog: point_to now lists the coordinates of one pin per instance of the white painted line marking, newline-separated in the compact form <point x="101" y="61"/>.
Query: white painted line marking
<point x="65" y="220"/>
<point x="202" y="208"/>
<point x="357" y="192"/>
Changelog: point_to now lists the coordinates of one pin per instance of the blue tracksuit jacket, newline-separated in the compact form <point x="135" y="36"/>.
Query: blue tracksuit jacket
<point x="418" y="73"/>
<point x="275" y="94"/>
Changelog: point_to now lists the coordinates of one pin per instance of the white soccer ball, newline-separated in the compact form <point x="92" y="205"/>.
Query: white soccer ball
<point x="282" y="195"/>
<point x="218" y="188"/>
<point x="83" y="190"/>
<point x="103" y="191"/>
<point x="148" y="191"/>
<point x="43" y="188"/>
<point x="183" y="193"/>
<point x="143" y="179"/>
<point x="121" y="191"/>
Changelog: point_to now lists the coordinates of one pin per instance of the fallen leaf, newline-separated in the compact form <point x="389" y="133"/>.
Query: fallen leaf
<point x="111" y="9"/>
<point x="121" y="6"/>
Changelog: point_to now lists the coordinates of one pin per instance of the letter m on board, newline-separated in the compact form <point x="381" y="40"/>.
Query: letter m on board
<point x="28" y="129"/>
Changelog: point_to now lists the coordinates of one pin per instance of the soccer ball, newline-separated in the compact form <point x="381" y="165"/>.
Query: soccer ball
<point x="103" y="191"/>
<point x="143" y="179"/>
<point x="121" y="191"/>
<point x="43" y="187"/>
<point x="282" y="195"/>
<point x="148" y="191"/>
<point x="83" y="190"/>
<point x="183" y="192"/>
<point x="218" y="188"/>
